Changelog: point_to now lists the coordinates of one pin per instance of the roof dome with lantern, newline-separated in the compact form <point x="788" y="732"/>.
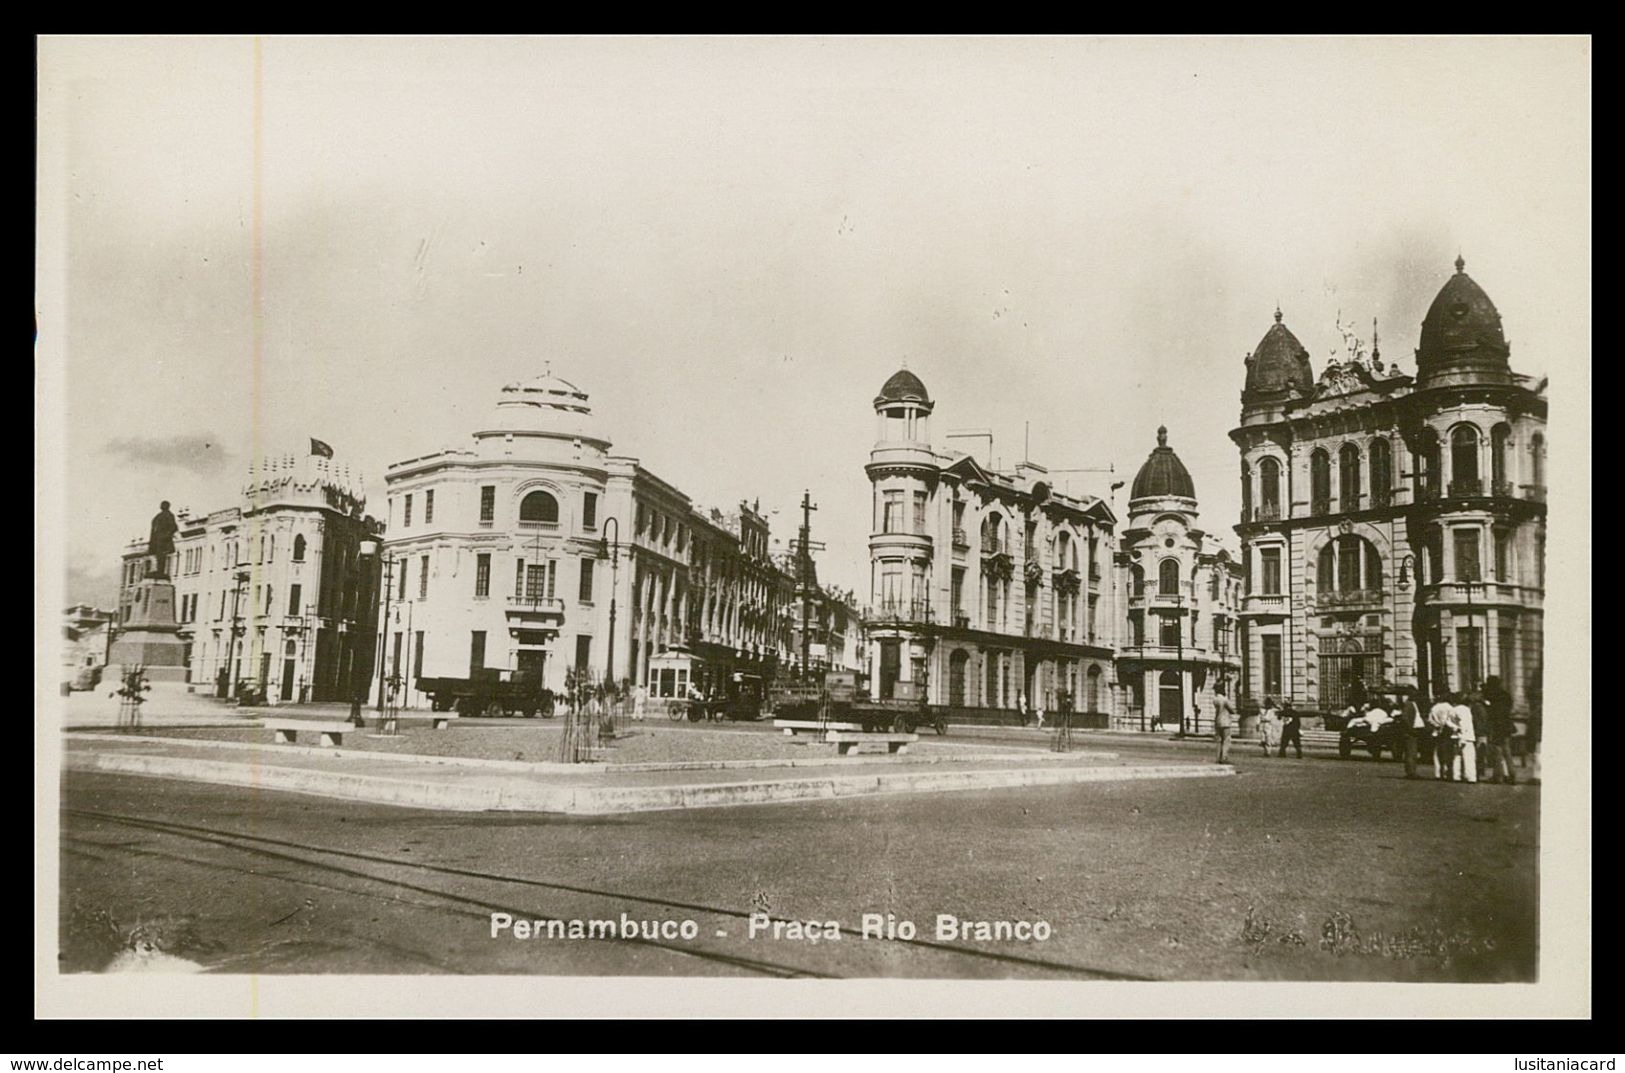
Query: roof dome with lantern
<point x="1462" y="340"/>
<point x="1279" y="364"/>
<point x="903" y="386"/>
<point x="545" y="404"/>
<point x="1163" y="474"/>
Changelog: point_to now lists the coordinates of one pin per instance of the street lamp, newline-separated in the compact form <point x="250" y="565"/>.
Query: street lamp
<point x="611" y="550"/>
<point x="388" y="578"/>
<point x="367" y="548"/>
<point x="233" y="653"/>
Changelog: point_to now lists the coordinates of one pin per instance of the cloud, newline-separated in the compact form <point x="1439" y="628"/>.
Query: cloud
<point x="195" y="453"/>
<point x="93" y="582"/>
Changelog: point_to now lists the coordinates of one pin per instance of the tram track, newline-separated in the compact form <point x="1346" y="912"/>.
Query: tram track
<point x="353" y="864"/>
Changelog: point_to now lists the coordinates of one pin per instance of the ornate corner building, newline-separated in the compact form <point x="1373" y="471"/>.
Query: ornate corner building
<point x="1183" y="592"/>
<point x="1393" y="526"/>
<point x="986" y="587"/>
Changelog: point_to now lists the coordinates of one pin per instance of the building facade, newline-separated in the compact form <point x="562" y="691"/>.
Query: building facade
<point x="988" y="590"/>
<point x="1183" y="592"/>
<point x="87" y="634"/>
<point x="1393" y="526"/>
<point x="273" y="595"/>
<point x="535" y="549"/>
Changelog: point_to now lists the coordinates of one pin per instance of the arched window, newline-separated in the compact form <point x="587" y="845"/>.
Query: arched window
<point x="1320" y="482"/>
<point x="1499" y="435"/>
<point x="992" y="529"/>
<point x="539" y="508"/>
<point x="1373" y="568"/>
<point x="1464" y="461"/>
<point x="1433" y="547"/>
<point x="1348" y="564"/>
<point x="1348" y="477"/>
<point x="1136" y="575"/>
<point x="1168" y="577"/>
<point x="1537" y="460"/>
<point x="1092" y="698"/>
<point x="299" y="548"/>
<point x="1269" y="489"/>
<point x="1325" y="576"/>
<point x="1246" y="493"/>
<point x="1382" y="472"/>
<point x="1063" y="548"/>
<point x="1427" y="465"/>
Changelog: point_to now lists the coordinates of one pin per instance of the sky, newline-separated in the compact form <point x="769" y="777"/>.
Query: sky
<point x="730" y="244"/>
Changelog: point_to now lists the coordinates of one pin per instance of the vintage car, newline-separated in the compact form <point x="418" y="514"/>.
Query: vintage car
<point x="1358" y="733"/>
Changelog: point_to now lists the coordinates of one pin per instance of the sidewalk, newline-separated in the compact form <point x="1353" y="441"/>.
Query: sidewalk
<point x="419" y="781"/>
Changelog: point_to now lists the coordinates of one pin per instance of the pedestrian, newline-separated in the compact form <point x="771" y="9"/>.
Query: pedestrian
<point x="1533" y="691"/>
<point x="1224" y="721"/>
<point x="1038" y="712"/>
<point x="1021" y="706"/>
<point x="1292" y="731"/>
<point x="639" y="699"/>
<point x="1498" y="705"/>
<point x="1481" y="725"/>
<point x="1415" y="736"/>
<point x="1464" y="766"/>
<point x="1269" y="726"/>
<point x="1442" y="719"/>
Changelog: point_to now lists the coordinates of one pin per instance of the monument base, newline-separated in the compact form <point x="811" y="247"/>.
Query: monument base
<point x="150" y="638"/>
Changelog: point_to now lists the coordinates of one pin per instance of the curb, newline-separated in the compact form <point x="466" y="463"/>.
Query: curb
<point x="462" y="797"/>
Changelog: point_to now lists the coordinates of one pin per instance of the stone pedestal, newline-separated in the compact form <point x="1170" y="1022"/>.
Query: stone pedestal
<point x="150" y="638"/>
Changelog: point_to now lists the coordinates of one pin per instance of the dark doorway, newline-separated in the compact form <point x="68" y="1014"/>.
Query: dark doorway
<point x="890" y="667"/>
<point x="286" y="693"/>
<point x="958" y="667"/>
<point x="1170" y="699"/>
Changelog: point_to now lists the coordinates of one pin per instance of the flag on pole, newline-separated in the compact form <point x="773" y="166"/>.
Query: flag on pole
<point x="317" y="447"/>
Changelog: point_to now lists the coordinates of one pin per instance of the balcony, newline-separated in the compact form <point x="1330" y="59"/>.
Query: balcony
<point x="961" y="619"/>
<point x="1348" y="504"/>
<point x="1269" y="512"/>
<point x="1427" y="492"/>
<point x="535" y="607"/>
<point x="1066" y="582"/>
<point x="911" y="612"/>
<point x="1265" y="604"/>
<point x="991" y="546"/>
<point x="1319" y="507"/>
<point x="1466" y="487"/>
<point x="1504" y="490"/>
<point x="1381" y="497"/>
<point x="1354" y="600"/>
<point x="961" y="541"/>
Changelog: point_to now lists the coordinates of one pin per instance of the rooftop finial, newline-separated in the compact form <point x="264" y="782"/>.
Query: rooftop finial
<point x="1277" y="312"/>
<point x="1461" y="262"/>
<point x="1162" y="435"/>
<point x="1376" y="350"/>
<point x="905" y="363"/>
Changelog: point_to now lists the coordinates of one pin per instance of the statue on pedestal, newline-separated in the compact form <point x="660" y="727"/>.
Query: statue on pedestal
<point x="161" y="541"/>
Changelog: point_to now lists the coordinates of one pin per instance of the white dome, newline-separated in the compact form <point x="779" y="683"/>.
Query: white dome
<point x="546" y="404"/>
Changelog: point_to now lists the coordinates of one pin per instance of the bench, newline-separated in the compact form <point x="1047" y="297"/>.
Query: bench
<point x="287" y="731"/>
<point x="792" y="727"/>
<point x="848" y="743"/>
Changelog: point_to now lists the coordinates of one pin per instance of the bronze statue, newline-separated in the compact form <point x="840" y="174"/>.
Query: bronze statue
<point x="161" y="540"/>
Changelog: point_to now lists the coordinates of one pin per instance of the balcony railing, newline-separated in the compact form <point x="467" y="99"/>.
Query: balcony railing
<point x="1504" y="489"/>
<point x="991" y="546"/>
<point x="1269" y="602"/>
<point x="961" y="619"/>
<point x="960" y="540"/>
<point x="1269" y="512"/>
<point x="540" y="605"/>
<point x="913" y="611"/>
<point x="1467" y="486"/>
<point x="1427" y="492"/>
<point x="1381" y="497"/>
<point x="545" y="526"/>
<point x="1318" y="507"/>
<point x="1328" y="601"/>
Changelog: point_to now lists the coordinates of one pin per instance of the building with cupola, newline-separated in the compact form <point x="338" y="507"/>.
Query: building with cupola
<point x="1183" y="590"/>
<point x="988" y="589"/>
<point x="535" y="548"/>
<point x="1393" y="523"/>
<point x="273" y="594"/>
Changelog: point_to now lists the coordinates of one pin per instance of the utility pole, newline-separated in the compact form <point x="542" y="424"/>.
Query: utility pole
<point x="807" y="508"/>
<point x="383" y="630"/>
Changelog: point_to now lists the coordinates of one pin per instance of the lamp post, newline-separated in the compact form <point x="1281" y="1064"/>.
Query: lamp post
<point x="388" y="578"/>
<point x="232" y="650"/>
<point x="611" y="550"/>
<point x="366" y="548"/>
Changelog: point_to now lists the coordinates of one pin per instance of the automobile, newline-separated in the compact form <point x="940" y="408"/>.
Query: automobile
<point x="87" y="678"/>
<point x="1356" y="733"/>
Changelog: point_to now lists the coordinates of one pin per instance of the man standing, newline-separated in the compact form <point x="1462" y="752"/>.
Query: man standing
<point x="1224" y="722"/>
<point x="1498" y="703"/>
<point x="1415" y="734"/>
<point x="1465" y="764"/>
<point x="1442" y="718"/>
<point x="1292" y="734"/>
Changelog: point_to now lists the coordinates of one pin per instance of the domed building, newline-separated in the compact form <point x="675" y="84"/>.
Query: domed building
<point x="1183" y="589"/>
<point x="535" y="550"/>
<point x="988" y="590"/>
<point x="1393" y="526"/>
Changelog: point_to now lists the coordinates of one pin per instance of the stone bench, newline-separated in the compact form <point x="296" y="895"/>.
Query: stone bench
<point x="287" y="731"/>
<point x="792" y="727"/>
<point x="858" y="743"/>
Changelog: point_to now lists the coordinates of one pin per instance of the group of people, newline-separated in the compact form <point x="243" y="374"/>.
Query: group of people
<point x="1279" y="726"/>
<point x="1466" y="735"/>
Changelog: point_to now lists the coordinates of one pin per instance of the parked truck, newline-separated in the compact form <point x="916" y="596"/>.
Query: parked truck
<point x="837" y="699"/>
<point x="490" y="693"/>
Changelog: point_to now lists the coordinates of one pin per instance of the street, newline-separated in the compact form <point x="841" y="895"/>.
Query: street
<point x="1318" y="869"/>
